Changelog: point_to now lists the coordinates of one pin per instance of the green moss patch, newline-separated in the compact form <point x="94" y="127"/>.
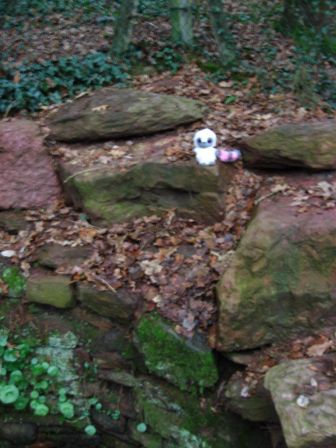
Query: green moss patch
<point x="183" y="422"/>
<point x="180" y="361"/>
<point x="50" y="290"/>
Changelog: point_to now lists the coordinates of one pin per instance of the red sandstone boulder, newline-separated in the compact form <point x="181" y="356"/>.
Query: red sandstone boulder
<point x="27" y="177"/>
<point x="281" y="280"/>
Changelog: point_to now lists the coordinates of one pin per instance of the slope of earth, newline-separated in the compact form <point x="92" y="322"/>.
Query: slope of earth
<point x="268" y="58"/>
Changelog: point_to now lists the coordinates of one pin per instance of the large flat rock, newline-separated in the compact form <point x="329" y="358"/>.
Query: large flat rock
<point x="112" y="113"/>
<point x="27" y="176"/>
<point x="305" y="145"/>
<point x="281" y="279"/>
<point x="145" y="183"/>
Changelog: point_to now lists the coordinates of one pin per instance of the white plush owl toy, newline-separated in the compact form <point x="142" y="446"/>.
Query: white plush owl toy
<point x="205" y="142"/>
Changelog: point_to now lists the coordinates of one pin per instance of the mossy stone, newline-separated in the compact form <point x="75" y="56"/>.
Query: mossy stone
<point x="147" y="440"/>
<point x="53" y="290"/>
<point x="182" y="421"/>
<point x="185" y="363"/>
<point x="119" y="306"/>
<point x="112" y="195"/>
<point x="257" y="406"/>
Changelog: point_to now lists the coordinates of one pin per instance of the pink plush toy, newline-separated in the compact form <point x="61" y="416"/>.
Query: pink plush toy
<point x="228" y="155"/>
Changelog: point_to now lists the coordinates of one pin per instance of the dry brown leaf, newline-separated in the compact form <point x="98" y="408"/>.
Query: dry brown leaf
<point x="319" y="349"/>
<point x="101" y="108"/>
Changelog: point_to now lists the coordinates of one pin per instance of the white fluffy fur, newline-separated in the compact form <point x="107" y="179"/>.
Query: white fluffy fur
<point x="205" y="147"/>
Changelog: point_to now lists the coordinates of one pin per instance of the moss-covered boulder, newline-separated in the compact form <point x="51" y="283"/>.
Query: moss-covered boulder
<point x="306" y="145"/>
<point x="148" y="184"/>
<point x="147" y="189"/>
<point x="304" y="394"/>
<point x="147" y="439"/>
<point x="119" y="306"/>
<point x="189" y="422"/>
<point x="183" y="362"/>
<point x="110" y="113"/>
<point x="49" y="289"/>
<point x="280" y="282"/>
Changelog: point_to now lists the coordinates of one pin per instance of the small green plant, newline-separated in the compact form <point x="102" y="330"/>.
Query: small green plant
<point x="153" y="8"/>
<point x="90" y="430"/>
<point x="30" y="382"/>
<point x="230" y="99"/>
<point x="13" y="279"/>
<point x="167" y="58"/>
<point x="18" y="11"/>
<point x="141" y="427"/>
<point x="24" y="380"/>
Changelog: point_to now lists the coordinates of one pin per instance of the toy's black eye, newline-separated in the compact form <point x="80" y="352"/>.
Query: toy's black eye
<point x="209" y="140"/>
<point x="199" y="141"/>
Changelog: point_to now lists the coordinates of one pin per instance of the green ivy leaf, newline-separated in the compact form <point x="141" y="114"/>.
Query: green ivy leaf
<point x="9" y="394"/>
<point x="10" y="355"/>
<point x="67" y="409"/>
<point x="90" y="430"/>
<point x="41" y="410"/>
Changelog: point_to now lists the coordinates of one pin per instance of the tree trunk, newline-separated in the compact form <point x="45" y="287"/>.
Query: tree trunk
<point x="225" y="43"/>
<point x="181" y="17"/>
<point x="124" y="25"/>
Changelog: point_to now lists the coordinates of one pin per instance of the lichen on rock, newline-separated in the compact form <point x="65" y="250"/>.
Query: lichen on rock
<point x="304" y="394"/>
